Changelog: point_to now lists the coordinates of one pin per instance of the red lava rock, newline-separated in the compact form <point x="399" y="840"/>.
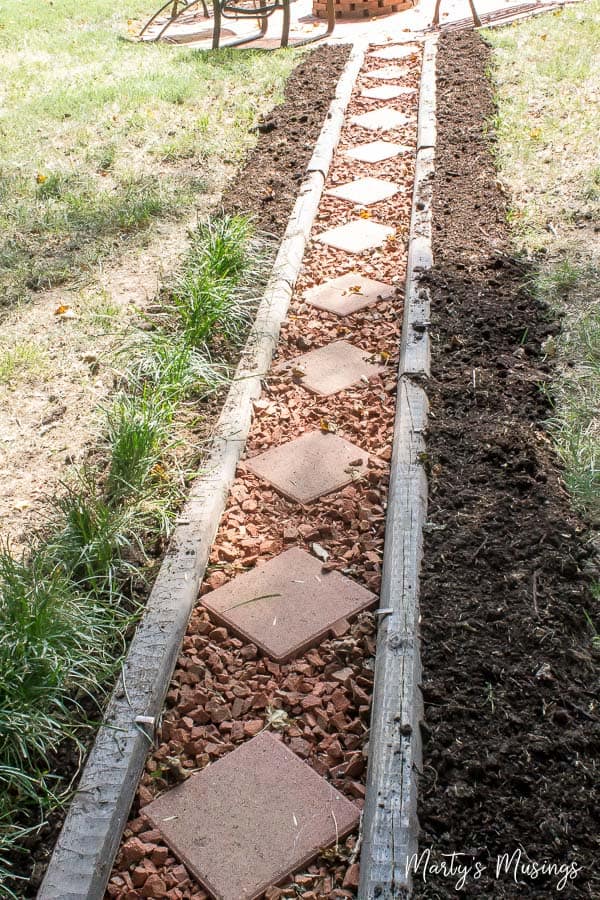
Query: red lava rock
<point x="219" y="635"/>
<point x="180" y="874"/>
<point x="144" y="796"/>
<point x="133" y="851"/>
<point x="159" y="855"/>
<point x="352" y="876"/>
<point x="217" y="579"/>
<point x="154" y="887"/>
<point x="301" y="747"/>
<point x="252" y="728"/>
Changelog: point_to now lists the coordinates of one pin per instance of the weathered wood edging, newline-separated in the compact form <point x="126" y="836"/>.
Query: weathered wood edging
<point x="82" y="860"/>
<point x="390" y="825"/>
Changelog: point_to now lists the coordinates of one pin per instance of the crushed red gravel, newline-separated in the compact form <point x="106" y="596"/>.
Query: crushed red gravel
<point x="223" y="692"/>
<point x="510" y="675"/>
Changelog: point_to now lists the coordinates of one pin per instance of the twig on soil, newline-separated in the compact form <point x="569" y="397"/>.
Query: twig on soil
<point x="534" y="592"/>
<point x="252" y="600"/>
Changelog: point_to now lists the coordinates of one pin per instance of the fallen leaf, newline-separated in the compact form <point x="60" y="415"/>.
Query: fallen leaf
<point x="277" y="719"/>
<point x="65" y="312"/>
<point x="327" y="426"/>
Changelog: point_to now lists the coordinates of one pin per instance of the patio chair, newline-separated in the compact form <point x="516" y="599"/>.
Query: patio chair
<point x="260" y="10"/>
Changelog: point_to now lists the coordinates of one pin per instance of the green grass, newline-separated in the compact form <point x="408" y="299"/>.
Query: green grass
<point x="547" y="77"/>
<point x="23" y="359"/>
<point x="66" y="605"/>
<point x="101" y="137"/>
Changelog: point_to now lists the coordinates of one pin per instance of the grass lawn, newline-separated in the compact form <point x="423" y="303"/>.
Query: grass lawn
<point x="101" y="137"/>
<point x="547" y="76"/>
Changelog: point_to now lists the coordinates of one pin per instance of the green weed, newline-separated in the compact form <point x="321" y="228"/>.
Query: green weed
<point x="23" y="359"/>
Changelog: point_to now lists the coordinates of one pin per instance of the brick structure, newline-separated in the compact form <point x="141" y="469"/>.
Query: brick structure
<point x="361" y="9"/>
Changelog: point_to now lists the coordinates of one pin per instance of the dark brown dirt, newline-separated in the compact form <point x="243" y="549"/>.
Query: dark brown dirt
<point x="512" y="735"/>
<point x="267" y="186"/>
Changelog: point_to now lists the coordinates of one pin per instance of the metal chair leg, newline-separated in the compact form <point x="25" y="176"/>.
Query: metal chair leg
<point x="476" y="18"/>
<point x="173" y="3"/>
<point x="285" y="27"/>
<point x="174" y="18"/>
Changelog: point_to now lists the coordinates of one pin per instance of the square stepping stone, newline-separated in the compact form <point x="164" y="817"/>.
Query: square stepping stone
<point x="383" y="119"/>
<point x="356" y="236"/>
<point x="332" y="368"/>
<point x="377" y="151"/>
<point x="365" y="191"/>
<point x="387" y="92"/>
<point x="395" y="51"/>
<point x="309" y="466"/>
<point x="348" y="293"/>
<point x="287" y="605"/>
<point x="251" y="819"/>
<point x="387" y="73"/>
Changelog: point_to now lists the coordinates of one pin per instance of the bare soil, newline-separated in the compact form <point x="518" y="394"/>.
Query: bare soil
<point x="512" y="731"/>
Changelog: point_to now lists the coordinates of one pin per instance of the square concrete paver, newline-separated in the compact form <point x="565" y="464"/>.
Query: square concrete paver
<point x="309" y="466"/>
<point x="348" y="293"/>
<point x="356" y="236"/>
<point x="332" y="368"/>
<point x="365" y="191"/>
<point x="287" y="605"/>
<point x="251" y="819"/>
<point x="383" y="119"/>
<point x="377" y="151"/>
<point x="396" y="51"/>
<point x="386" y="92"/>
<point x="387" y="73"/>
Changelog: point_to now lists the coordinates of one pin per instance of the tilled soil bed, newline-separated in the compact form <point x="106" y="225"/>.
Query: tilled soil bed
<point x="510" y="675"/>
<point x="286" y="139"/>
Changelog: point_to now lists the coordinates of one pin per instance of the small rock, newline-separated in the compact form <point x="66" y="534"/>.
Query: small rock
<point x="252" y="727"/>
<point x="352" y="876"/>
<point x="133" y="851"/>
<point x="154" y="887"/>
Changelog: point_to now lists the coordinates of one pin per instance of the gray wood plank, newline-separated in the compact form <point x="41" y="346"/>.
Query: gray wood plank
<point x="390" y="825"/>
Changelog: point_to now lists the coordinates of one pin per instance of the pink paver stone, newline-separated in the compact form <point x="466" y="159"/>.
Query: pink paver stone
<point x="356" y="236"/>
<point x="383" y="119"/>
<point x="288" y="604"/>
<point x="332" y="368"/>
<point x="377" y="151"/>
<point x="395" y="51"/>
<point x="348" y="293"/>
<point x="309" y="466"/>
<point x="387" y="92"/>
<point x="251" y="819"/>
<point x="365" y="191"/>
<point x="387" y="73"/>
